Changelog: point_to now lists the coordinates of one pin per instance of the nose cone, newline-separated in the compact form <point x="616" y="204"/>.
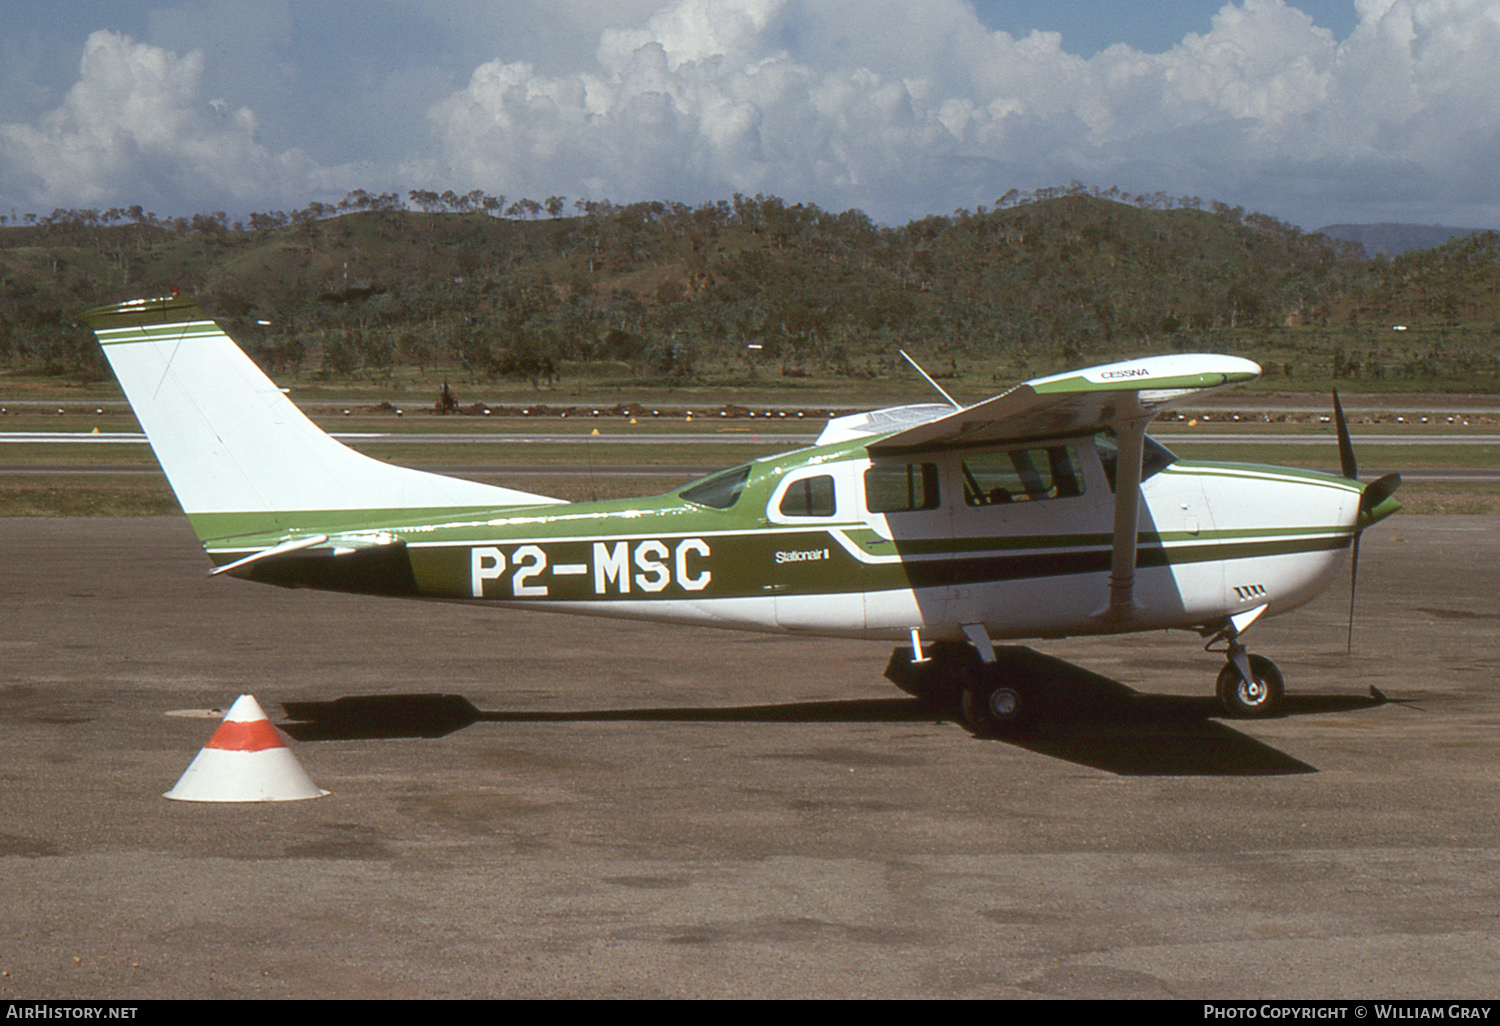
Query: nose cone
<point x="1376" y="501"/>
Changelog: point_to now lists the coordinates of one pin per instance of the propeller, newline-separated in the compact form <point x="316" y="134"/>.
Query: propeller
<point x="1370" y="496"/>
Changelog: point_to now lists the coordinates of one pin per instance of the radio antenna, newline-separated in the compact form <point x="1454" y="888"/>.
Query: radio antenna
<point x="934" y="384"/>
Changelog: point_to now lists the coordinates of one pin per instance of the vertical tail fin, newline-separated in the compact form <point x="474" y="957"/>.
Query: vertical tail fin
<point x="230" y="442"/>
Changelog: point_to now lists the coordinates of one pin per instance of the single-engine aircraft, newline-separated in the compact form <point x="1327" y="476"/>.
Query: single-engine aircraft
<point x="1043" y="512"/>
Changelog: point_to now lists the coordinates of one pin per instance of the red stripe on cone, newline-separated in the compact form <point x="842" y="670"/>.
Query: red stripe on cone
<point x="245" y="736"/>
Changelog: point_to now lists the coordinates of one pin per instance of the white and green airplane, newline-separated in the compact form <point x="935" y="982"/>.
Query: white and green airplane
<point x="1044" y="512"/>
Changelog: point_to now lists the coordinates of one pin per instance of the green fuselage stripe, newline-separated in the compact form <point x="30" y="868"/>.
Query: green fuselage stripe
<point x="787" y="561"/>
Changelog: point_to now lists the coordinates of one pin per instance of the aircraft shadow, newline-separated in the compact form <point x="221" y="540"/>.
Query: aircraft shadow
<point x="1156" y="735"/>
<point x="364" y="717"/>
<point x="1092" y="721"/>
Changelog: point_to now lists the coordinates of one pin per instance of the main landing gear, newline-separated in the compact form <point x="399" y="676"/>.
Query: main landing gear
<point x="1000" y="698"/>
<point x="991" y="698"/>
<point x="938" y="677"/>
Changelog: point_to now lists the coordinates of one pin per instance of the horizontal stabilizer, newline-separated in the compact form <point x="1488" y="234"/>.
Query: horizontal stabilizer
<point x="369" y="563"/>
<point x="296" y="545"/>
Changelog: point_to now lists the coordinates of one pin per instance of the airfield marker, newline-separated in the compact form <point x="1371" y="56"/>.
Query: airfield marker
<point x="245" y="761"/>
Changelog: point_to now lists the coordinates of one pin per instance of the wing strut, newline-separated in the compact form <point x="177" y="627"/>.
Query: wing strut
<point x="1130" y="436"/>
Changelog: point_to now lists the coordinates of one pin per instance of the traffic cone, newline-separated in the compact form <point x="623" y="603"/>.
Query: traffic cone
<point x="245" y="761"/>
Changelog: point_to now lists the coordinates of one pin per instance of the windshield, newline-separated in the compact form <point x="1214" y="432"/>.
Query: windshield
<point x="1155" y="457"/>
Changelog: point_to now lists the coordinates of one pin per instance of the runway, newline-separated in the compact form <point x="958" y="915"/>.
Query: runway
<point x="607" y="809"/>
<point x="739" y="436"/>
<point x="1370" y="444"/>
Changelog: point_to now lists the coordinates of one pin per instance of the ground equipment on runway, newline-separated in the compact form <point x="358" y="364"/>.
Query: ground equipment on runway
<point x="245" y="761"/>
<point x="1043" y="512"/>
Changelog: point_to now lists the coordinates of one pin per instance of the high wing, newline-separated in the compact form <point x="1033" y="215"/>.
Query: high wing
<point x="1074" y="403"/>
<point x="1122" y="397"/>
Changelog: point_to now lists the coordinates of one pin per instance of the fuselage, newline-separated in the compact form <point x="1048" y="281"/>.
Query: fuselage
<point x="833" y="541"/>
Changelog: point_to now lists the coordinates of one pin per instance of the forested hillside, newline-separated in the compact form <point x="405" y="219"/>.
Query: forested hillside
<point x="476" y="287"/>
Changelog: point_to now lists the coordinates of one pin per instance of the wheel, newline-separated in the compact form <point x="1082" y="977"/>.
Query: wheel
<point x="995" y="702"/>
<point x="1256" y="700"/>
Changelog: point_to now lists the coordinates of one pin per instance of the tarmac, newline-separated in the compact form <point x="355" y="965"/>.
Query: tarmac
<point x="533" y="805"/>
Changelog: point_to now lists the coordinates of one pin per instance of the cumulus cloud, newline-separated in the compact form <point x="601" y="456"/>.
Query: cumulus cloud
<point x="904" y="108"/>
<point x="899" y="107"/>
<point x="135" y="128"/>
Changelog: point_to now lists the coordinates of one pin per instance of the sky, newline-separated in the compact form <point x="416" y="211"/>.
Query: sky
<point x="1312" y="111"/>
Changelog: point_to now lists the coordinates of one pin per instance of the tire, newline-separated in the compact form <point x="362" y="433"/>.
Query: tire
<point x="1251" y="702"/>
<point x="996" y="702"/>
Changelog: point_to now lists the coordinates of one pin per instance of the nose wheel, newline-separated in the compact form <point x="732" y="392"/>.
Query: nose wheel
<point x="1251" y="695"/>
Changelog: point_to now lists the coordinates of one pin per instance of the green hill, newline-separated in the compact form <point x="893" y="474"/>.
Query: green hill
<point x="754" y="289"/>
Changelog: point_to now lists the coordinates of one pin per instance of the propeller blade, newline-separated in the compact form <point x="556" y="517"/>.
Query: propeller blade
<point x="1353" y="578"/>
<point x="1346" y="447"/>
<point x="1372" y="495"/>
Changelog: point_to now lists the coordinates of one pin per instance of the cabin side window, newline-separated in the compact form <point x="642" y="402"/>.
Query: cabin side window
<point x="901" y="487"/>
<point x="809" y="497"/>
<point x="1021" y="475"/>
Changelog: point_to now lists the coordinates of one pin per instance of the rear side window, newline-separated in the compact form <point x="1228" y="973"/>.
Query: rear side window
<point x="809" y="497"/>
<point x="901" y="487"/>
<point x="720" y="491"/>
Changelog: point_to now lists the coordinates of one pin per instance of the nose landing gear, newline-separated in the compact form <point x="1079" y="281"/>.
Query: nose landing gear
<point x="1253" y="691"/>
<point x="1250" y="687"/>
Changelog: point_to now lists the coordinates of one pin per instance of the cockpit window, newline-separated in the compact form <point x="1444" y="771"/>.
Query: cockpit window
<point x="1155" y="457"/>
<point x="720" y="491"/>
